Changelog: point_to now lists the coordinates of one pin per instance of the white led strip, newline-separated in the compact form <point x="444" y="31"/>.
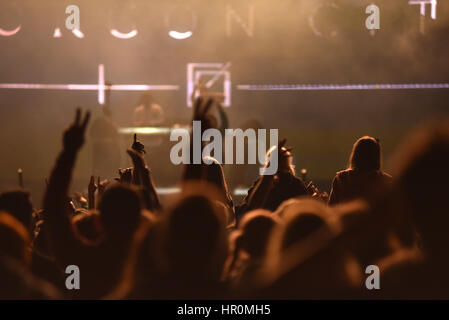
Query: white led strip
<point x="300" y="87"/>
<point x="100" y="87"/>
<point x="145" y="130"/>
<point x="173" y="190"/>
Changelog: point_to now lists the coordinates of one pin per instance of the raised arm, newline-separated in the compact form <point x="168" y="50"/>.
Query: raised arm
<point x="142" y="176"/>
<point x="91" y="188"/>
<point x="258" y="195"/>
<point x="62" y="235"/>
<point x="196" y="171"/>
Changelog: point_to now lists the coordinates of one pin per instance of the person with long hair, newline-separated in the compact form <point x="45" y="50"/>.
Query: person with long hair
<point x="364" y="177"/>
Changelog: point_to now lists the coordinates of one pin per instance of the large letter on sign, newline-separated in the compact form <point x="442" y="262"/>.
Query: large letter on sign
<point x="247" y="27"/>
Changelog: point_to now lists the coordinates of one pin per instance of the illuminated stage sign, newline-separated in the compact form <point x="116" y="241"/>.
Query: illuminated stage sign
<point x="232" y="17"/>
<point x="215" y="71"/>
<point x="217" y="75"/>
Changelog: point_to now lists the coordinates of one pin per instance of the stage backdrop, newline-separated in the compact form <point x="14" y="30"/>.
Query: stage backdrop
<point x="306" y="67"/>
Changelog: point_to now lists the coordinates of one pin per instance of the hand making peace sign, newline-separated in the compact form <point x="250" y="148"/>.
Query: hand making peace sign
<point x="74" y="135"/>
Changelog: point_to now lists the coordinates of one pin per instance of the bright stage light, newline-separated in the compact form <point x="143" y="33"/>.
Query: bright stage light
<point x="123" y="16"/>
<point x="240" y="192"/>
<point x="101" y="86"/>
<point x="9" y="33"/>
<point x="57" y="33"/>
<point x="180" y="35"/>
<point x="168" y="190"/>
<point x="145" y="130"/>
<point x="78" y="33"/>
<point x="122" y="35"/>
<point x="180" y="17"/>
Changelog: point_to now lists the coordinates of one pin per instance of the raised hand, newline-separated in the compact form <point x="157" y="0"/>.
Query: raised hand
<point x="125" y="175"/>
<point x="281" y="143"/>
<point x="278" y="149"/>
<point x="74" y="135"/>
<point x="200" y="110"/>
<point x="102" y="185"/>
<point x="198" y="87"/>
<point x="141" y="176"/>
<point x="285" y="157"/>
<point x="92" y="187"/>
<point x="58" y="213"/>
<point x="139" y="147"/>
<point x="311" y="189"/>
<point x="137" y="158"/>
<point x="79" y="200"/>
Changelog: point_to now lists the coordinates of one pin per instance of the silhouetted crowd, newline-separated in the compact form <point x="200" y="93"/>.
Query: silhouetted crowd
<point x="375" y="236"/>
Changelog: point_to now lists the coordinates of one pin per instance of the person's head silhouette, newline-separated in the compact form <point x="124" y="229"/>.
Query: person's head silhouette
<point x="120" y="210"/>
<point x="366" y="154"/>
